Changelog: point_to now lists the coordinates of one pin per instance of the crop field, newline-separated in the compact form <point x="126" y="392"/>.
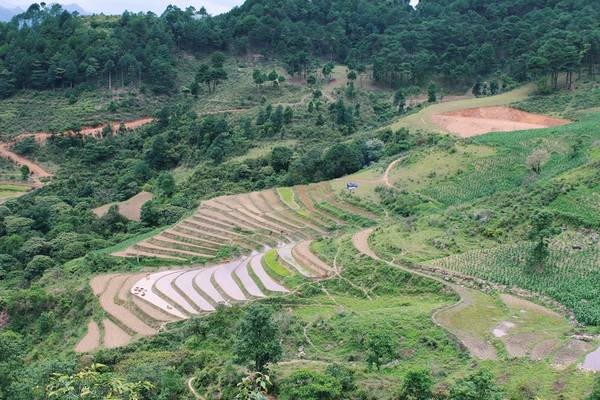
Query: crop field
<point x="535" y="332"/>
<point x="420" y="170"/>
<point x="582" y="203"/>
<point x="130" y="208"/>
<point x="569" y="104"/>
<point x="248" y="222"/>
<point x="495" y="163"/>
<point x="11" y="190"/>
<point x="245" y="224"/>
<point x="570" y="275"/>
<point x="137" y="304"/>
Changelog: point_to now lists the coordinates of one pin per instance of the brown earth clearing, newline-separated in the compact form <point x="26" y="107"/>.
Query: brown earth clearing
<point x="478" y="121"/>
<point x="130" y="208"/>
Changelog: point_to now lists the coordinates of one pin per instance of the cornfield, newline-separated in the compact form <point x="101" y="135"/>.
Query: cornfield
<point x="570" y="275"/>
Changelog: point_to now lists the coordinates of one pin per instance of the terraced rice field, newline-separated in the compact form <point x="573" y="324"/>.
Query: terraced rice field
<point x="258" y="224"/>
<point x="249" y="222"/>
<point x="138" y="305"/>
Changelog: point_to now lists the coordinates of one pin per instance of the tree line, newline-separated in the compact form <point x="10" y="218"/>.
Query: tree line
<point x="457" y="42"/>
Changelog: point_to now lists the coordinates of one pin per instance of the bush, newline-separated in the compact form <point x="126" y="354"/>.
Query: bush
<point x="310" y="385"/>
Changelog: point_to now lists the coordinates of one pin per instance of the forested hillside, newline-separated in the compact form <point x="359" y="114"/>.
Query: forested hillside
<point x="455" y="41"/>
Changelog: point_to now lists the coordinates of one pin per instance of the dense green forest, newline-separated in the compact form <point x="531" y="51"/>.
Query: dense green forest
<point x="456" y="41"/>
<point x="326" y="105"/>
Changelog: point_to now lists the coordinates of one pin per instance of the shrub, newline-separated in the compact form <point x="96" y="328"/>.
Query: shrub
<point x="310" y="385"/>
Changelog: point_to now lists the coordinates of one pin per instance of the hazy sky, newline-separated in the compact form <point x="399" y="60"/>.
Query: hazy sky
<point x="158" y="6"/>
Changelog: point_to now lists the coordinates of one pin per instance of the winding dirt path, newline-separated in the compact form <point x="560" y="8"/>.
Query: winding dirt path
<point x="479" y="348"/>
<point x="388" y="170"/>
<point x="190" y="385"/>
<point x="37" y="171"/>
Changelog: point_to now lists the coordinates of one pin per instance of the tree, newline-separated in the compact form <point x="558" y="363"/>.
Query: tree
<point x="432" y="93"/>
<point x="12" y="351"/>
<point x="577" y="146"/>
<point x="327" y="70"/>
<point x="277" y="120"/>
<point x="494" y="87"/>
<point x="150" y="214"/>
<point x="166" y="183"/>
<point x="25" y="172"/>
<point x="36" y="267"/>
<point x="7" y="83"/>
<point x="537" y="159"/>
<point x="258" y="77"/>
<point x="479" y="386"/>
<point x="218" y="59"/>
<point x="341" y="159"/>
<point x="274" y="77"/>
<point x="288" y="115"/>
<point x="108" y="68"/>
<point x="380" y="348"/>
<point x="399" y="100"/>
<point x="541" y="231"/>
<point x="95" y="383"/>
<point x="281" y="158"/>
<point x="257" y="338"/>
<point x="595" y="395"/>
<point x="417" y="385"/>
<point x="157" y="155"/>
<point x="477" y="89"/>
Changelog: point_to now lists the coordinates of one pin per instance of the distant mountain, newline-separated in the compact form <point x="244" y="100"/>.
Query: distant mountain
<point x="74" y="7"/>
<point x="7" y="11"/>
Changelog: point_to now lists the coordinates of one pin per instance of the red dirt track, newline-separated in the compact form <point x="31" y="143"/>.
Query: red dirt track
<point x="37" y="172"/>
<point x="478" y="121"/>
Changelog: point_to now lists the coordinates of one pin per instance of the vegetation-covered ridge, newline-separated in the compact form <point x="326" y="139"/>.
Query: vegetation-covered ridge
<point x="454" y="41"/>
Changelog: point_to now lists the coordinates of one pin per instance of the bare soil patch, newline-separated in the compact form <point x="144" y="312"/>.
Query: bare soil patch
<point x="96" y="131"/>
<point x="518" y="345"/>
<point x="91" y="340"/>
<point x="570" y="353"/>
<point x="478" y="121"/>
<point x="113" y="335"/>
<point x="544" y="349"/>
<point x="130" y="208"/>
<point x="516" y="302"/>
<point x="99" y="283"/>
<point x="37" y="172"/>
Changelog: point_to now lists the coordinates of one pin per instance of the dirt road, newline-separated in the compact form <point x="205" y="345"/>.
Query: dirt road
<point x="479" y="348"/>
<point x="37" y="172"/>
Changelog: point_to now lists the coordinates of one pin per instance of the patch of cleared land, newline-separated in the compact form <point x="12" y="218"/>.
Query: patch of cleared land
<point x="12" y="190"/>
<point x="130" y="208"/>
<point x="423" y="119"/>
<point x="478" y="121"/>
<point x="91" y="340"/>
